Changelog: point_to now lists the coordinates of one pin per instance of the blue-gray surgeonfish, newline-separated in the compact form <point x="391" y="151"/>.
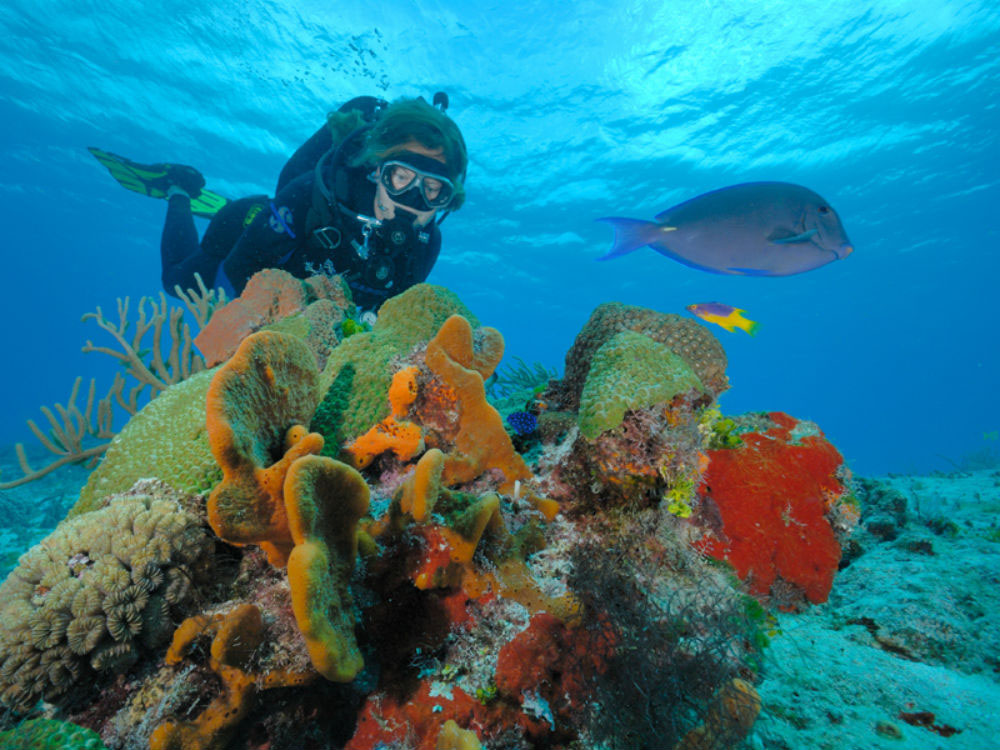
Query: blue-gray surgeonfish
<point x="753" y="229"/>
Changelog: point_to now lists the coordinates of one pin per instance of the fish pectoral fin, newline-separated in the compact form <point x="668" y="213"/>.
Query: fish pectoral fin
<point x="804" y="237"/>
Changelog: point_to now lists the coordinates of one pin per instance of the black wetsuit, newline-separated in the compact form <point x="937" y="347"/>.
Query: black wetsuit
<point x="301" y="232"/>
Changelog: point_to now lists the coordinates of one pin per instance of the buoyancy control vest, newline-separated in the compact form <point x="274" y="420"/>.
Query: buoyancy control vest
<point x="377" y="258"/>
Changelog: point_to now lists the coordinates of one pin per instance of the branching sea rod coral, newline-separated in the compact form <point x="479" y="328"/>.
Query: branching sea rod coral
<point x="69" y="431"/>
<point x="96" y="593"/>
<point x="74" y="427"/>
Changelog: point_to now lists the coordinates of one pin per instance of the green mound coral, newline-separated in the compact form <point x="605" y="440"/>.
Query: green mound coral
<point x="693" y="342"/>
<point x="358" y="373"/>
<point x="165" y="440"/>
<point x="96" y="592"/>
<point x="49" y="734"/>
<point x="630" y="371"/>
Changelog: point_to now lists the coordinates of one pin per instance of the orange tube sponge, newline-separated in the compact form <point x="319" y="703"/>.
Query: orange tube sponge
<point x="403" y="391"/>
<point x="255" y="407"/>
<point x="419" y="494"/>
<point x="325" y="499"/>
<point x="482" y="442"/>
<point x="405" y="439"/>
<point x="236" y="636"/>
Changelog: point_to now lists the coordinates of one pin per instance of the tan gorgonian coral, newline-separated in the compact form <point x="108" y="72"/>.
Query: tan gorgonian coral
<point x="72" y="430"/>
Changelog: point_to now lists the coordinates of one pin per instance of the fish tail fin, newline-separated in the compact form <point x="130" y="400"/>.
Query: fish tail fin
<point x="630" y="234"/>
<point x="746" y="324"/>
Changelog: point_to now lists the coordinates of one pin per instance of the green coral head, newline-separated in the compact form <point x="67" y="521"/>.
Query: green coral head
<point x="486" y="694"/>
<point x="630" y="372"/>
<point x="350" y="327"/>
<point x="50" y="734"/>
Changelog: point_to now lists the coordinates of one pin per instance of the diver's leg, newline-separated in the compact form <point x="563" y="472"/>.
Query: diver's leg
<point x="181" y="255"/>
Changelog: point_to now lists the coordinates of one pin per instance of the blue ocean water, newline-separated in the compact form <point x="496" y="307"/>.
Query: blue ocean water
<point x="572" y="111"/>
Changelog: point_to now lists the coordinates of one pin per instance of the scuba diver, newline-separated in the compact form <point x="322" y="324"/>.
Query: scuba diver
<point x="363" y="198"/>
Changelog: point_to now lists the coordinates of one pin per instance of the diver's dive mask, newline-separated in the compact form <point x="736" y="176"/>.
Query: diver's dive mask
<point x="416" y="181"/>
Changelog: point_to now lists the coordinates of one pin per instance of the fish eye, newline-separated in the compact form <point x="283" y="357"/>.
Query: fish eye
<point x="824" y="209"/>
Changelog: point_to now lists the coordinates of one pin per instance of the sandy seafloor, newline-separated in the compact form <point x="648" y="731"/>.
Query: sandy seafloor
<point x="911" y="626"/>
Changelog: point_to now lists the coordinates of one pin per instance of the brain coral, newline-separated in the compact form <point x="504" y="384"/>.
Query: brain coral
<point x="358" y="373"/>
<point x="689" y="340"/>
<point x="630" y="371"/>
<point x="165" y="440"/>
<point x="95" y="592"/>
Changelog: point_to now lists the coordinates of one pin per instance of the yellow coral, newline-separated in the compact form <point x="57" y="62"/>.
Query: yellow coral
<point x="453" y="737"/>
<point x="421" y="491"/>
<point x="730" y="717"/>
<point x="236" y="636"/>
<point x="403" y="391"/>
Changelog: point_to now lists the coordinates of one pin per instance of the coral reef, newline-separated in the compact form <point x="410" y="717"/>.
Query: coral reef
<point x="629" y="372"/>
<point x="690" y="341"/>
<point x="96" y="594"/>
<point x="394" y="568"/>
<point x="166" y="439"/>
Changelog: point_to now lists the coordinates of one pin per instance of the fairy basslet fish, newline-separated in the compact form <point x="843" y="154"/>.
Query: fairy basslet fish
<point x="753" y="229"/>
<point x="726" y="316"/>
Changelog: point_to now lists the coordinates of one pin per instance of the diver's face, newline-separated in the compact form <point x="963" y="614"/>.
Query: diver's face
<point x="386" y="207"/>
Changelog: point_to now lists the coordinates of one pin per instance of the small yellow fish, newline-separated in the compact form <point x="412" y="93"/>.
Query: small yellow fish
<point x="723" y="315"/>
